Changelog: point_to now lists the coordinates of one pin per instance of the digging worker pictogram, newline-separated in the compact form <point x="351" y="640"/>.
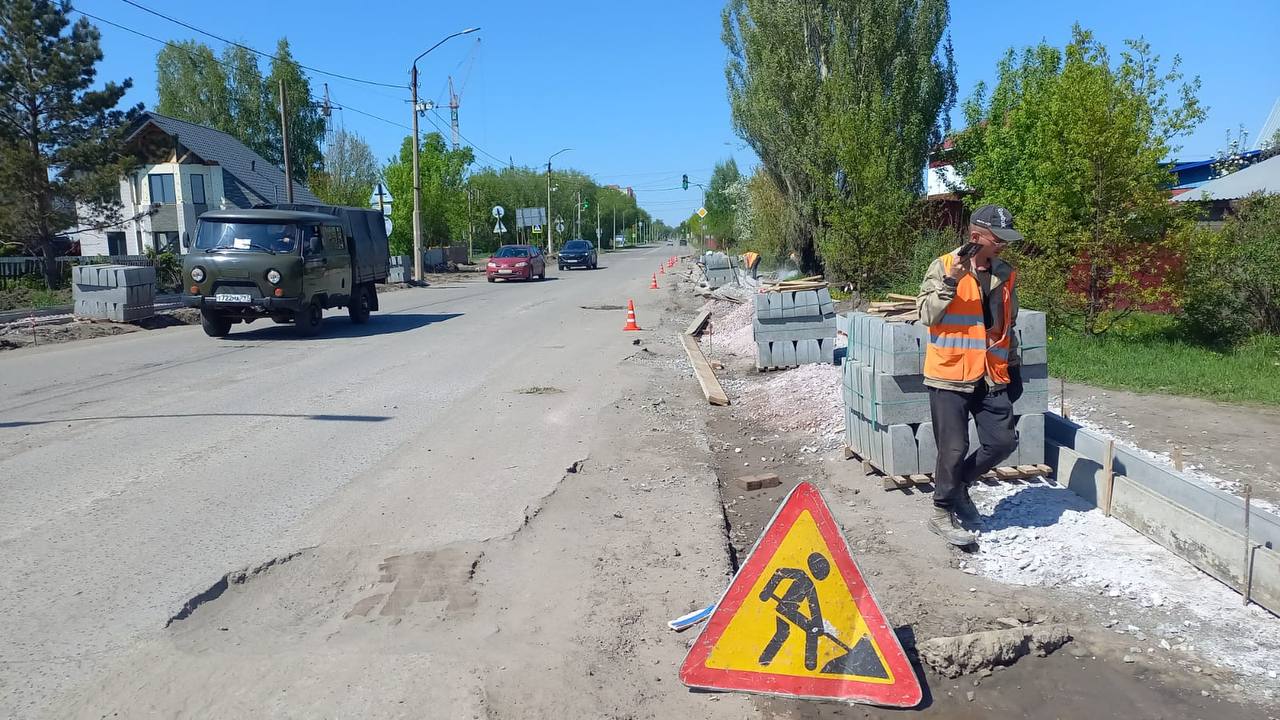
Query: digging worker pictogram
<point x="968" y="302"/>
<point x="801" y="591"/>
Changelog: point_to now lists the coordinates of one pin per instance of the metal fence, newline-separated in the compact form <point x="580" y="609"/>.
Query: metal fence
<point x="14" y="269"/>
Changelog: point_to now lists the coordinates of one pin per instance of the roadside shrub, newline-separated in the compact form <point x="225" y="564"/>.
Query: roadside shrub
<point x="168" y="269"/>
<point x="1233" y="276"/>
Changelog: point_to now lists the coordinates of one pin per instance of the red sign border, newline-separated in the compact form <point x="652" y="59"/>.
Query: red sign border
<point x="904" y="692"/>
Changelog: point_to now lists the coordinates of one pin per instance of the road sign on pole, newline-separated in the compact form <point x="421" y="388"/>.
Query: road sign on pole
<point x="537" y="229"/>
<point x="799" y="620"/>
<point x="386" y="220"/>
<point x="702" y="212"/>
<point x="498" y="227"/>
<point x="559" y="227"/>
<point x="498" y="212"/>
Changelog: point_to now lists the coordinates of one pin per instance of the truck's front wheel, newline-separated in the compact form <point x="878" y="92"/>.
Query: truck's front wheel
<point x="214" y="325"/>
<point x="306" y="322"/>
<point x="361" y="305"/>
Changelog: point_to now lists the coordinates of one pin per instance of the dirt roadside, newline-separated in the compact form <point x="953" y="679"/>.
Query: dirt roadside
<point x="1111" y="669"/>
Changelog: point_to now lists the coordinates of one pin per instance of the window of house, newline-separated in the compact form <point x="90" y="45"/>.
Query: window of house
<point x="161" y="185"/>
<point x="197" y="189"/>
<point x="165" y="241"/>
<point x="115" y="243"/>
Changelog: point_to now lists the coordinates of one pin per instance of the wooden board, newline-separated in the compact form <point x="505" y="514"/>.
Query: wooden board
<point x="699" y="322"/>
<point x="706" y="376"/>
<point x="896" y="296"/>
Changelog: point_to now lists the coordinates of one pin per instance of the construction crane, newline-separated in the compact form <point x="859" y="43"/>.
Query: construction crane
<point x="455" y="96"/>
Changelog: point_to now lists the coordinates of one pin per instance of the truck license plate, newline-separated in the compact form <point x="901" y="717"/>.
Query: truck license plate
<point x="232" y="298"/>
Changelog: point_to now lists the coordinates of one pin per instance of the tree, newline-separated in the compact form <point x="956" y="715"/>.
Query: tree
<point x="444" y="201"/>
<point x="862" y="87"/>
<point x="61" y="142"/>
<point x="192" y="85"/>
<point x="306" y="124"/>
<point x="720" y="205"/>
<point x="252" y="121"/>
<point x="1233" y="289"/>
<point x="1075" y="146"/>
<point x="350" y="171"/>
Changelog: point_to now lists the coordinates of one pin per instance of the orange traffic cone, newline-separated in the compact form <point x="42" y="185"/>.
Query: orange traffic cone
<point x="631" y="317"/>
<point x="662" y="269"/>
<point x="654" y="285"/>
<point x="671" y="262"/>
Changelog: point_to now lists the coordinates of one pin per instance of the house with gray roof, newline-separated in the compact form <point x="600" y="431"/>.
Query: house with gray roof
<point x="1218" y="195"/>
<point x="186" y="170"/>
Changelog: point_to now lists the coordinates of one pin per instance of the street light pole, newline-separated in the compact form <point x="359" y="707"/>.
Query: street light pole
<point x="550" y="226"/>
<point x="417" y="181"/>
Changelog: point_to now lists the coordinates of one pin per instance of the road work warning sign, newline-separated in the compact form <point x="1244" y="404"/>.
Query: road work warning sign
<point x="799" y="620"/>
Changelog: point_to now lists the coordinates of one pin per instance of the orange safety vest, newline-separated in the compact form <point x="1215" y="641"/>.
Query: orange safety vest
<point x="960" y="348"/>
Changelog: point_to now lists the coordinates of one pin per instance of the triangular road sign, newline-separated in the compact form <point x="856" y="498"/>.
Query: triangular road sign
<point x="799" y="620"/>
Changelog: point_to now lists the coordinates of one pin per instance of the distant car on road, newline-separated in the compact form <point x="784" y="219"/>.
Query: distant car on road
<point x="578" y="253"/>
<point x="516" y="262"/>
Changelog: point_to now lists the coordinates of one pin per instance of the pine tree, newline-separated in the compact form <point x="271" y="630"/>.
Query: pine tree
<point x="61" y="142"/>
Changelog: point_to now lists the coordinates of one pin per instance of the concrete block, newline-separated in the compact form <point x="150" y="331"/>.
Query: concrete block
<point x="828" y="350"/>
<point x="788" y="305"/>
<point x="1032" y="332"/>
<point x="1030" y="450"/>
<point x="758" y="482"/>
<point x="898" y="454"/>
<point x="787" y="356"/>
<point x="811" y="353"/>
<point x="898" y="349"/>
<point x="926" y="448"/>
<point x="764" y="358"/>
<point x="891" y="400"/>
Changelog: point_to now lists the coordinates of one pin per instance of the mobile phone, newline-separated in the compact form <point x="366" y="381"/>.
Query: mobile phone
<point x="969" y="250"/>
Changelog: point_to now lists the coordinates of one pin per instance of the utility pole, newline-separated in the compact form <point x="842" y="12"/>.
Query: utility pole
<point x="284" y="140"/>
<point x="613" y="239"/>
<point x="471" y="229"/>
<point x="598" y="222"/>
<point x="577" y="224"/>
<point x="550" y="228"/>
<point x="417" y="183"/>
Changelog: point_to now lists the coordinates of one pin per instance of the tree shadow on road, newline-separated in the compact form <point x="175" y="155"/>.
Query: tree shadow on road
<point x="339" y="326"/>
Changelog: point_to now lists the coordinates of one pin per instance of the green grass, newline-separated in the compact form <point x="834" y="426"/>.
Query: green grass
<point x="21" y="298"/>
<point x="1146" y="354"/>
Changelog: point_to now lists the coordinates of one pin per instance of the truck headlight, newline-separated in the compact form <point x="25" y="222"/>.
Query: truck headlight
<point x="197" y="274"/>
<point x="273" y="276"/>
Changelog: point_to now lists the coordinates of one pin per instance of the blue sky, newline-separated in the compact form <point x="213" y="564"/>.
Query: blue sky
<point x="637" y="89"/>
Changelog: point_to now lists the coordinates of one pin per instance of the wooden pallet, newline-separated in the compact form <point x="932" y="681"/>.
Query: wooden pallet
<point x="1008" y="473"/>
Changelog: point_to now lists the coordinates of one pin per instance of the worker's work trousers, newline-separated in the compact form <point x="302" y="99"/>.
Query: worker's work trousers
<point x="992" y="414"/>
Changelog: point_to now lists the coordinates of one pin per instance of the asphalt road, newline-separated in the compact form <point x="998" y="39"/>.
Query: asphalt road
<point x="137" y="471"/>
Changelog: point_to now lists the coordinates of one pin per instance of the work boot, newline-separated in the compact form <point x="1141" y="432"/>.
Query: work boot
<point x="945" y="524"/>
<point x="966" y="510"/>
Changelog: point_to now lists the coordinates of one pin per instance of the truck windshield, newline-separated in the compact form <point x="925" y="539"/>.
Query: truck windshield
<point x="249" y="236"/>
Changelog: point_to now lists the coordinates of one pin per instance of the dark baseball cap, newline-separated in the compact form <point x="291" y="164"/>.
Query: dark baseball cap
<point x="998" y="220"/>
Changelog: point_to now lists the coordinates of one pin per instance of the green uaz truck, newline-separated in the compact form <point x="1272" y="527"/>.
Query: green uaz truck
<point x="285" y="262"/>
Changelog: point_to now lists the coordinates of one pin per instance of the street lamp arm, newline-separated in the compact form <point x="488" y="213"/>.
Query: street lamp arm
<point x="445" y="40"/>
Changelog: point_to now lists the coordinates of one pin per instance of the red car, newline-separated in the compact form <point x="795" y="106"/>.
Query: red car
<point x="512" y="262"/>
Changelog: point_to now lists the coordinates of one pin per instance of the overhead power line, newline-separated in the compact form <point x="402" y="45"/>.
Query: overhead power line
<point x="255" y="51"/>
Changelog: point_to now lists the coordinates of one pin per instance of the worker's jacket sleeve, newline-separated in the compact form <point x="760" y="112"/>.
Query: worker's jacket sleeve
<point x="1015" y="352"/>
<point x="935" y="294"/>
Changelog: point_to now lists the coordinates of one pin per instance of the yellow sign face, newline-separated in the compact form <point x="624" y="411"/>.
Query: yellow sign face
<point x="702" y="212"/>
<point x="799" y="618"/>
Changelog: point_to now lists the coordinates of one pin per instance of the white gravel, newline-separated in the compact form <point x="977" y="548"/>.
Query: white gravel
<point x="1046" y="535"/>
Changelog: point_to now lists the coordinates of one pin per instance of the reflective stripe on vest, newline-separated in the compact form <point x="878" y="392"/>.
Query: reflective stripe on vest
<point x="960" y="348"/>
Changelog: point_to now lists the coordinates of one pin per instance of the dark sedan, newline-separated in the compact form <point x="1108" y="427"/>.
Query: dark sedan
<point x="578" y="253"/>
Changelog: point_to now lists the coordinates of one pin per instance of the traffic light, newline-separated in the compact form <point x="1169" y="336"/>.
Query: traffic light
<point x="586" y="204"/>
<point x="684" y="180"/>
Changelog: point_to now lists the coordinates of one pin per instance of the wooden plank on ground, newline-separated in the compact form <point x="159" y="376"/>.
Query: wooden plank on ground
<point x="1008" y="473"/>
<point x="896" y="296"/>
<point x="706" y="376"/>
<point x="921" y="479"/>
<point x="699" y="322"/>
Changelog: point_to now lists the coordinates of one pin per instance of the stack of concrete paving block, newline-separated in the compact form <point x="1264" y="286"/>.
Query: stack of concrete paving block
<point x="794" y="328"/>
<point x="719" y="269"/>
<point x="887" y="418"/>
<point x="120" y="293"/>
<point x="401" y="270"/>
